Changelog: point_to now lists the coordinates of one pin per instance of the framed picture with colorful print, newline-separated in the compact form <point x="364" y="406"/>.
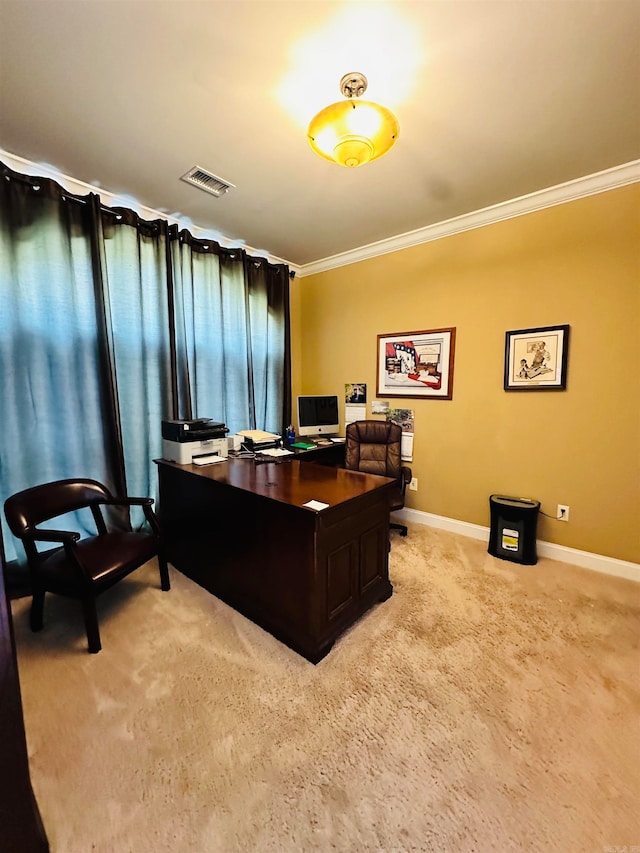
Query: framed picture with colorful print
<point x="416" y="364"/>
<point x="536" y="359"/>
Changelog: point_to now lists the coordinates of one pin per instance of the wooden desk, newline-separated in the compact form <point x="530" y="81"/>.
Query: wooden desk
<point x="324" y="454"/>
<point x="240" y="530"/>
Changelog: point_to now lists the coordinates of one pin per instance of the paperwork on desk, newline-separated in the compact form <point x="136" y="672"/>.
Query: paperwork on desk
<point x="258" y="435"/>
<point x="209" y="460"/>
<point x="317" y="505"/>
<point x="275" y="451"/>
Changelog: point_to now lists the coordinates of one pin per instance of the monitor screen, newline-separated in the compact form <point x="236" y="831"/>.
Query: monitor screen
<point x="318" y="414"/>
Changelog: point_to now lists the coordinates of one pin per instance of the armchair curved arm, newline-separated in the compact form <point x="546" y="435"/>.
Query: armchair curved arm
<point x="68" y="538"/>
<point x="147" y="507"/>
<point x="65" y="537"/>
<point x="126" y="501"/>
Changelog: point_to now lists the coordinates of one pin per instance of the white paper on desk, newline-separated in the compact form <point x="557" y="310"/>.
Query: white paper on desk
<point x="275" y="451"/>
<point x="354" y="413"/>
<point x="316" y="505"/>
<point x="406" y="447"/>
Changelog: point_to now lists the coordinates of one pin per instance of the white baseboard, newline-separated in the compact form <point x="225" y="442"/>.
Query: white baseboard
<point x="584" y="559"/>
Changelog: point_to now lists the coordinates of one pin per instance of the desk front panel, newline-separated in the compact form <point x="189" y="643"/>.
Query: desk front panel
<point x="303" y="575"/>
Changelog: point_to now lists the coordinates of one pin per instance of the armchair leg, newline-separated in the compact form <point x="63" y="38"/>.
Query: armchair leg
<point x="91" y="624"/>
<point x="165" y="583"/>
<point x="36" y="618"/>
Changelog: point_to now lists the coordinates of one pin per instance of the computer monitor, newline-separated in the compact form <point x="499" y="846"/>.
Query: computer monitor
<point x="318" y="414"/>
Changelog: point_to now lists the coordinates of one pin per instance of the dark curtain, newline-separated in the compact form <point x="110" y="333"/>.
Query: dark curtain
<point x="109" y="323"/>
<point x="232" y="335"/>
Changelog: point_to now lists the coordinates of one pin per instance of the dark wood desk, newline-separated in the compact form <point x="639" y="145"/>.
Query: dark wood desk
<point x="240" y="530"/>
<point x="323" y="454"/>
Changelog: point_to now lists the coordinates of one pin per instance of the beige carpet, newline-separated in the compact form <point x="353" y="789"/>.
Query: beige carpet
<point x="485" y="707"/>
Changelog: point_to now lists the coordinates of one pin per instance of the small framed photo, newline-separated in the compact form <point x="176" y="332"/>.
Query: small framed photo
<point x="355" y="392"/>
<point x="416" y="364"/>
<point x="536" y="359"/>
<point x="379" y="407"/>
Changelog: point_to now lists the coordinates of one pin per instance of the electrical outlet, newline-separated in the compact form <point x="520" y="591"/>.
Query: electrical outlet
<point x="563" y="512"/>
<point x="413" y="485"/>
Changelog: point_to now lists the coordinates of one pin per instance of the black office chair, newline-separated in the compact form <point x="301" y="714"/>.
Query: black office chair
<point x="374" y="447"/>
<point x="81" y="568"/>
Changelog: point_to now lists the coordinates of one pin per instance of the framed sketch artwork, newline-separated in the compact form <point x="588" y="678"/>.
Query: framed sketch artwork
<point x="536" y="359"/>
<point x="416" y="364"/>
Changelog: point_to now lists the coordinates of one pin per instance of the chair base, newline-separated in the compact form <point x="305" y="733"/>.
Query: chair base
<point x="401" y="527"/>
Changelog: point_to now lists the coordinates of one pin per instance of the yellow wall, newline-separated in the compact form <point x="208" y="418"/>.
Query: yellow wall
<point x="576" y="263"/>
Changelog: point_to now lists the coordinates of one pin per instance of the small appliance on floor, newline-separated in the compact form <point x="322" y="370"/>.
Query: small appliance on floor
<point x="513" y="529"/>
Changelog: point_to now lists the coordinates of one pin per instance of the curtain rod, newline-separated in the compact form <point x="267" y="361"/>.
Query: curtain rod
<point x="34" y="182"/>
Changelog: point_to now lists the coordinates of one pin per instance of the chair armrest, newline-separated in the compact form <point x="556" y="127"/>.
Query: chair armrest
<point x="405" y="478"/>
<point x="66" y="537"/>
<point x="126" y="501"/>
<point x="147" y="507"/>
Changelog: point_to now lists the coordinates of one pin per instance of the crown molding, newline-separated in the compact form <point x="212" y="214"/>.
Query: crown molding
<point x="618" y="176"/>
<point x="609" y="179"/>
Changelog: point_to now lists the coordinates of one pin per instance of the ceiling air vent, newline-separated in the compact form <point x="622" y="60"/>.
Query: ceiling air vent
<point x="206" y="181"/>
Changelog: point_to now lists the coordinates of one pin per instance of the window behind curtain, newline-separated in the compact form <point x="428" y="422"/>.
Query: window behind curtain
<point x="50" y="384"/>
<point x="231" y="335"/>
<point x="109" y="324"/>
<point x="135" y="267"/>
<point x="268" y="322"/>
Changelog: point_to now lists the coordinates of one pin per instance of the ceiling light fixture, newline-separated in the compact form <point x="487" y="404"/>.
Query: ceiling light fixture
<point x="353" y="132"/>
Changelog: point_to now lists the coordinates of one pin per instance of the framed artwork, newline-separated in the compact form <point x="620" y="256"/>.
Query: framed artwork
<point x="536" y="359"/>
<point x="355" y="392"/>
<point x="416" y="364"/>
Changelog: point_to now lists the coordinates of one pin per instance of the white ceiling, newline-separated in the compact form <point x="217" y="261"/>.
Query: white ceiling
<point x="495" y="100"/>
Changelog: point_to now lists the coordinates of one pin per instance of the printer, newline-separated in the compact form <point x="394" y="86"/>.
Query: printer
<point x="184" y="441"/>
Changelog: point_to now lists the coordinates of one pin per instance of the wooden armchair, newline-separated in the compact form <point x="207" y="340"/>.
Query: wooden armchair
<point x="81" y="568"/>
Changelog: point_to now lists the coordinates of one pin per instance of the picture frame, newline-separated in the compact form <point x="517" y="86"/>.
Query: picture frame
<point x="416" y="364"/>
<point x="536" y="359"/>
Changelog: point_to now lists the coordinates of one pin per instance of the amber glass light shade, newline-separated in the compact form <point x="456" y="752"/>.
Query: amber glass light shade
<point x="353" y="132"/>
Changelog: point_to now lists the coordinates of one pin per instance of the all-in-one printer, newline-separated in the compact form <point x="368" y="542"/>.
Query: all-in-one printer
<point x="184" y="441"/>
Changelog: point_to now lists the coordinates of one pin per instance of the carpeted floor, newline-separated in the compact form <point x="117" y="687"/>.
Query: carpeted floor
<point x="485" y="707"/>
